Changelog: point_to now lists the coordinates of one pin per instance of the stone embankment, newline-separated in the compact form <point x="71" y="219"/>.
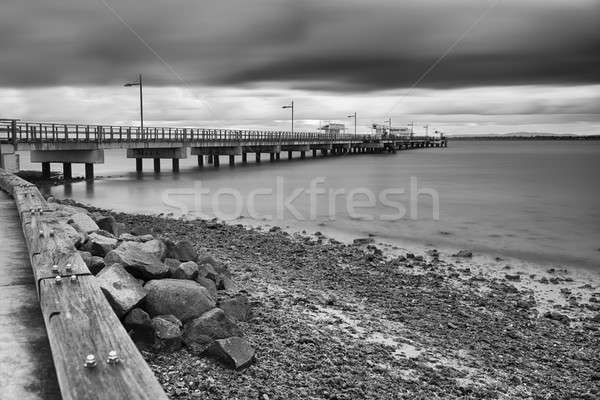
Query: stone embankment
<point x="167" y="294"/>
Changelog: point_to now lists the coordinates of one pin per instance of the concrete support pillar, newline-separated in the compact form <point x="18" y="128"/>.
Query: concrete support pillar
<point x="45" y="170"/>
<point x="210" y="158"/>
<point x="271" y="157"/>
<point x="258" y="156"/>
<point x="231" y="160"/>
<point x="138" y="164"/>
<point x="216" y="160"/>
<point x="302" y="155"/>
<point x="244" y="158"/>
<point x="278" y="156"/>
<point x="157" y="165"/>
<point x="314" y="152"/>
<point x="200" y="161"/>
<point x="175" y="164"/>
<point x="289" y="155"/>
<point x="89" y="172"/>
<point x="67" y="172"/>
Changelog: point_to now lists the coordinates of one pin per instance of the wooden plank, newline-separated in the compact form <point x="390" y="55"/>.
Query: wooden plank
<point x="79" y="322"/>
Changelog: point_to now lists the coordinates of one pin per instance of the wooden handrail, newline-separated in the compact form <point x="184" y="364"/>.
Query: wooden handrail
<point x="79" y="320"/>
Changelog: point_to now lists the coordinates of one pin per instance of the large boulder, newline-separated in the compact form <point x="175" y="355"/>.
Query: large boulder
<point x="209" y="285"/>
<point x="101" y="245"/>
<point x="167" y="332"/>
<point x="72" y="235"/>
<point x="237" y="308"/>
<point x="201" y="332"/>
<point x="184" y="299"/>
<point x="139" y="324"/>
<point x="83" y="223"/>
<point x="137" y="261"/>
<point x="108" y="223"/>
<point x="128" y="237"/>
<point x="122" y="290"/>
<point x="140" y="230"/>
<point x="155" y="247"/>
<point x="233" y="351"/>
<point x="96" y="264"/>
<point x="206" y="270"/>
<point x="182" y="250"/>
<point x="186" y="270"/>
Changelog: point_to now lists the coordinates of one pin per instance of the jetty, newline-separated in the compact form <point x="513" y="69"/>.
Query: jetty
<point x="81" y="143"/>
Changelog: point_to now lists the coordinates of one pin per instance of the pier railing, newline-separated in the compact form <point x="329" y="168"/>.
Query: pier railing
<point x="13" y="131"/>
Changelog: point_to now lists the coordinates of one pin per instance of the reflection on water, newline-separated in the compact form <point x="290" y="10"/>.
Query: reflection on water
<point x="535" y="200"/>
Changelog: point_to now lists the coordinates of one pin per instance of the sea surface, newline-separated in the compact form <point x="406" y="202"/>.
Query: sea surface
<point x="535" y="201"/>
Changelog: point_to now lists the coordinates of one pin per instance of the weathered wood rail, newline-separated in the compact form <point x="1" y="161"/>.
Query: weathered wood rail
<point x="79" y="320"/>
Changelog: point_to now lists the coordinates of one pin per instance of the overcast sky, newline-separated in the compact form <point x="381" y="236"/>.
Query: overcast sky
<point x="464" y="66"/>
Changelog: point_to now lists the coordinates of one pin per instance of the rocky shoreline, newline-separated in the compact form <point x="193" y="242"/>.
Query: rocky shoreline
<point x="336" y="321"/>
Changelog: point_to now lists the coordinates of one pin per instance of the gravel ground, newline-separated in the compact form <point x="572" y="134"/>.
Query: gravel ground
<point x="337" y="321"/>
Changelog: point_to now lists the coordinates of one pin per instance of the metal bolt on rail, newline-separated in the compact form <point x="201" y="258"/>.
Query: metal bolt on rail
<point x="69" y="267"/>
<point x="113" y="357"/>
<point x="58" y="280"/>
<point x="55" y="269"/>
<point x="90" y="361"/>
<point x="73" y="278"/>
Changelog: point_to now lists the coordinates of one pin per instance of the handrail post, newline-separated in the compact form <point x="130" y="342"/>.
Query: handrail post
<point x="13" y="129"/>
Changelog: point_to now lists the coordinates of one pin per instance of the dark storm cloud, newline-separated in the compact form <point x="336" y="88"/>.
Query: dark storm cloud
<point x="336" y="45"/>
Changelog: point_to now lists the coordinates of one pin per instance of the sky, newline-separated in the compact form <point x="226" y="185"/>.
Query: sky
<point x="460" y="66"/>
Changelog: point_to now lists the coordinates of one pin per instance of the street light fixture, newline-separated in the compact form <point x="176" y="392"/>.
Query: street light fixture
<point x="140" y="84"/>
<point x="353" y="116"/>
<point x="292" y="107"/>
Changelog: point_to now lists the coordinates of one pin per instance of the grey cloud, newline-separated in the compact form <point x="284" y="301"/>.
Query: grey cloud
<point x="331" y="45"/>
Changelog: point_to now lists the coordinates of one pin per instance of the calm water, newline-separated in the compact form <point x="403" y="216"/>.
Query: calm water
<point x="533" y="200"/>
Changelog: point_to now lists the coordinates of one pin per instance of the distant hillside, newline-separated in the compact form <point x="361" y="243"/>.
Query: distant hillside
<point x="525" y="136"/>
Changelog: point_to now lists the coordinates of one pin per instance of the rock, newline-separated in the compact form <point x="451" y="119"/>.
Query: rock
<point x="138" y="321"/>
<point x="596" y="318"/>
<point x="184" y="299"/>
<point x="557" y="317"/>
<point x="101" y="245"/>
<point x="128" y="237"/>
<point x="140" y="230"/>
<point x="86" y="256"/>
<point x="186" y="270"/>
<point x="122" y="290"/>
<point x="512" y="277"/>
<point x="155" y="247"/>
<point x="206" y="270"/>
<point x="200" y="332"/>
<point x="362" y="241"/>
<point x="227" y="284"/>
<point x="138" y="262"/>
<point x="237" y="308"/>
<point x="96" y="264"/>
<point x="182" y="250"/>
<point x="73" y="235"/>
<point x="463" y="253"/>
<point x="234" y="351"/>
<point x="186" y="251"/>
<point x="172" y="263"/>
<point x="543" y="279"/>
<point x="109" y="224"/>
<point x="167" y="331"/>
<point x="209" y="285"/>
<point x="83" y="223"/>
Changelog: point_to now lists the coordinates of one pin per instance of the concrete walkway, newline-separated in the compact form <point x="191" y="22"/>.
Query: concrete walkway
<point x="26" y="367"/>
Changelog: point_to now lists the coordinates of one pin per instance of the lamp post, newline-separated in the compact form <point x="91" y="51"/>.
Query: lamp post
<point x="353" y="116"/>
<point x="140" y="84"/>
<point x="292" y="107"/>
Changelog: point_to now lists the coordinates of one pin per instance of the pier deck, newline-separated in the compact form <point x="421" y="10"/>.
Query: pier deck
<point x="26" y="367"/>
